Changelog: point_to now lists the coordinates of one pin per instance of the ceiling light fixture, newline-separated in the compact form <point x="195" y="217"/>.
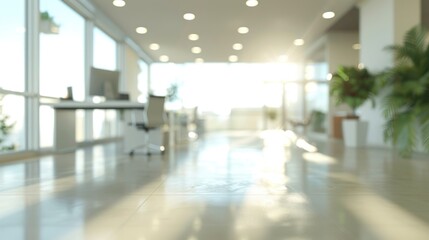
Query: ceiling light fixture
<point x="189" y="16"/>
<point x="199" y="60"/>
<point x="298" y="42"/>
<point x="233" y="58"/>
<point x="154" y="46"/>
<point x="119" y="3"/>
<point x="328" y="15"/>
<point x="164" y="58"/>
<point x="237" y="46"/>
<point x="141" y="30"/>
<point x="252" y="3"/>
<point x="243" y="30"/>
<point x="196" y="50"/>
<point x="193" y="37"/>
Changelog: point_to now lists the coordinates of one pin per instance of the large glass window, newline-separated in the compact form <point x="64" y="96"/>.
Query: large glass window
<point x="12" y="45"/>
<point x="104" y="51"/>
<point x="239" y="85"/>
<point x="317" y="95"/>
<point x="62" y="55"/>
<point x="104" y="57"/>
<point x="12" y="123"/>
<point x="143" y="81"/>
<point x="62" y="48"/>
<point x="12" y="65"/>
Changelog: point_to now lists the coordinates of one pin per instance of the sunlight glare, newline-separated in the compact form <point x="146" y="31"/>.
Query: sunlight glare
<point x="319" y="158"/>
<point x="303" y="144"/>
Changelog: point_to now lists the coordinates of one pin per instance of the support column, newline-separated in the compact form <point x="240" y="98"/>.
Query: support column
<point x="382" y="23"/>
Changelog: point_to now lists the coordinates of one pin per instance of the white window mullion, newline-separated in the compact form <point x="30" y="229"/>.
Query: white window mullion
<point x="32" y="74"/>
<point x="89" y="56"/>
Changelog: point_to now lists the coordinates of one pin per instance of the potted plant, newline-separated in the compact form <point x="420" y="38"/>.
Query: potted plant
<point x="406" y="103"/>
<point x="5" y="129"/>
<point x="271" y="114"/>
<point x="47" y="24"/>
<point x="353" y="86"/>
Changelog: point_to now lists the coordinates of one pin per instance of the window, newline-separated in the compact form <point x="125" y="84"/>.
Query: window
<point x="105" y="57"/>
<point x="62" y="50"/>
<point x="143" y="81"/>
<point x="13" y="107"/>
<point x="62" y="55"/>
<point x="218" y="87"/>
<point x="12" y="64"/>
<point x="104" y="51"/>
<point x="12" y="45"/>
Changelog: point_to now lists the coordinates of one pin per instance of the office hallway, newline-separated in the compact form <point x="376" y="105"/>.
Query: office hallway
<point x="235" y="185"/>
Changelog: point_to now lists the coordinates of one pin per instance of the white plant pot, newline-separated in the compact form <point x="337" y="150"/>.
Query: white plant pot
<point x="354" y="132"/>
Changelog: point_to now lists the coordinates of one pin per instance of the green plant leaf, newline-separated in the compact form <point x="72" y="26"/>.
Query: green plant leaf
<point x="352" y="86"/>
<point x="405" y="107"/>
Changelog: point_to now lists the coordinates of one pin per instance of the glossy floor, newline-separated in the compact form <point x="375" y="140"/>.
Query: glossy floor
<point x="239" y="186"/>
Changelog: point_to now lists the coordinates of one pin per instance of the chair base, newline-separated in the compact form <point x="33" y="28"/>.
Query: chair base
<point x="148" y="147"/>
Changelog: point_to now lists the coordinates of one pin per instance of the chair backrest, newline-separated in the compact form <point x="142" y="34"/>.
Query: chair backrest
<point x="155" y="112"/>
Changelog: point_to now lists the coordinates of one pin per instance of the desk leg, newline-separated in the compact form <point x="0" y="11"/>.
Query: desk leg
<point x="65" y="130"/>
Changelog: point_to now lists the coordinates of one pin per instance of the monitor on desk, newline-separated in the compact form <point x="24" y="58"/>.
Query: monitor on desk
<point x="104" y="83"/>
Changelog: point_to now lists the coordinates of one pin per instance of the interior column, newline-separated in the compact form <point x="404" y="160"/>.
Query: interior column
<point x="382" y="23"/>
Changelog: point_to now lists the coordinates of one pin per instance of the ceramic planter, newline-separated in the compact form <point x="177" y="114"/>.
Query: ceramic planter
<point x="354" y="132"/>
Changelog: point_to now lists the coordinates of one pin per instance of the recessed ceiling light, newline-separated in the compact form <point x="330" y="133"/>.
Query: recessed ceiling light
<point x="154" y="46"/>
<point x="141" y="30"/>
<point x="233" y="58"/>
<point x="196" y="50"/>
<point x="237" y="46"/>
<point x="119" y="3"/>
<point x="329" y="76"/>
<point x="189" y="16"/>
<point x="199" y="60"/>
<point x="252" y="3"/>
<point x="356" y="46"/>
<point x="328" y="15"/>
<point x="193" y="37"/>
<point x="164" y="58"/>
<point x="283" y="58"/>
<point x="243" y="30"/>
<point x="298" y="42"/>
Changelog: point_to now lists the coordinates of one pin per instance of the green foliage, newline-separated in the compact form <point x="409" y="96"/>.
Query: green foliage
<point x="353" y="86"/>
<point x="45" y="16"/>
<point x="173" y="93"/>
<point x="272" y="113"/>
<point x="406" y="105"/>
<point x="5" y="129"/>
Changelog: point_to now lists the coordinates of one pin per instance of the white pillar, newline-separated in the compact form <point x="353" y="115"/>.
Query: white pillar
<point x="382" y="23"/>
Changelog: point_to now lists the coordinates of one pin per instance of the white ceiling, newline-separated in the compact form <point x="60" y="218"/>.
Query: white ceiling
<point x="273" y="24"/>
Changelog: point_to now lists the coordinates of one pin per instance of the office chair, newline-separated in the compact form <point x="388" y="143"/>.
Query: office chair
<point x="154" y="114"/>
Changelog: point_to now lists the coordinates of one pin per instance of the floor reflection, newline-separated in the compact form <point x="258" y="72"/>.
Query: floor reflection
<point x="239" y="185"/>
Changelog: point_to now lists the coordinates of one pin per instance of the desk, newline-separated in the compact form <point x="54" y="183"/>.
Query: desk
<point x="65" y="119"/>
